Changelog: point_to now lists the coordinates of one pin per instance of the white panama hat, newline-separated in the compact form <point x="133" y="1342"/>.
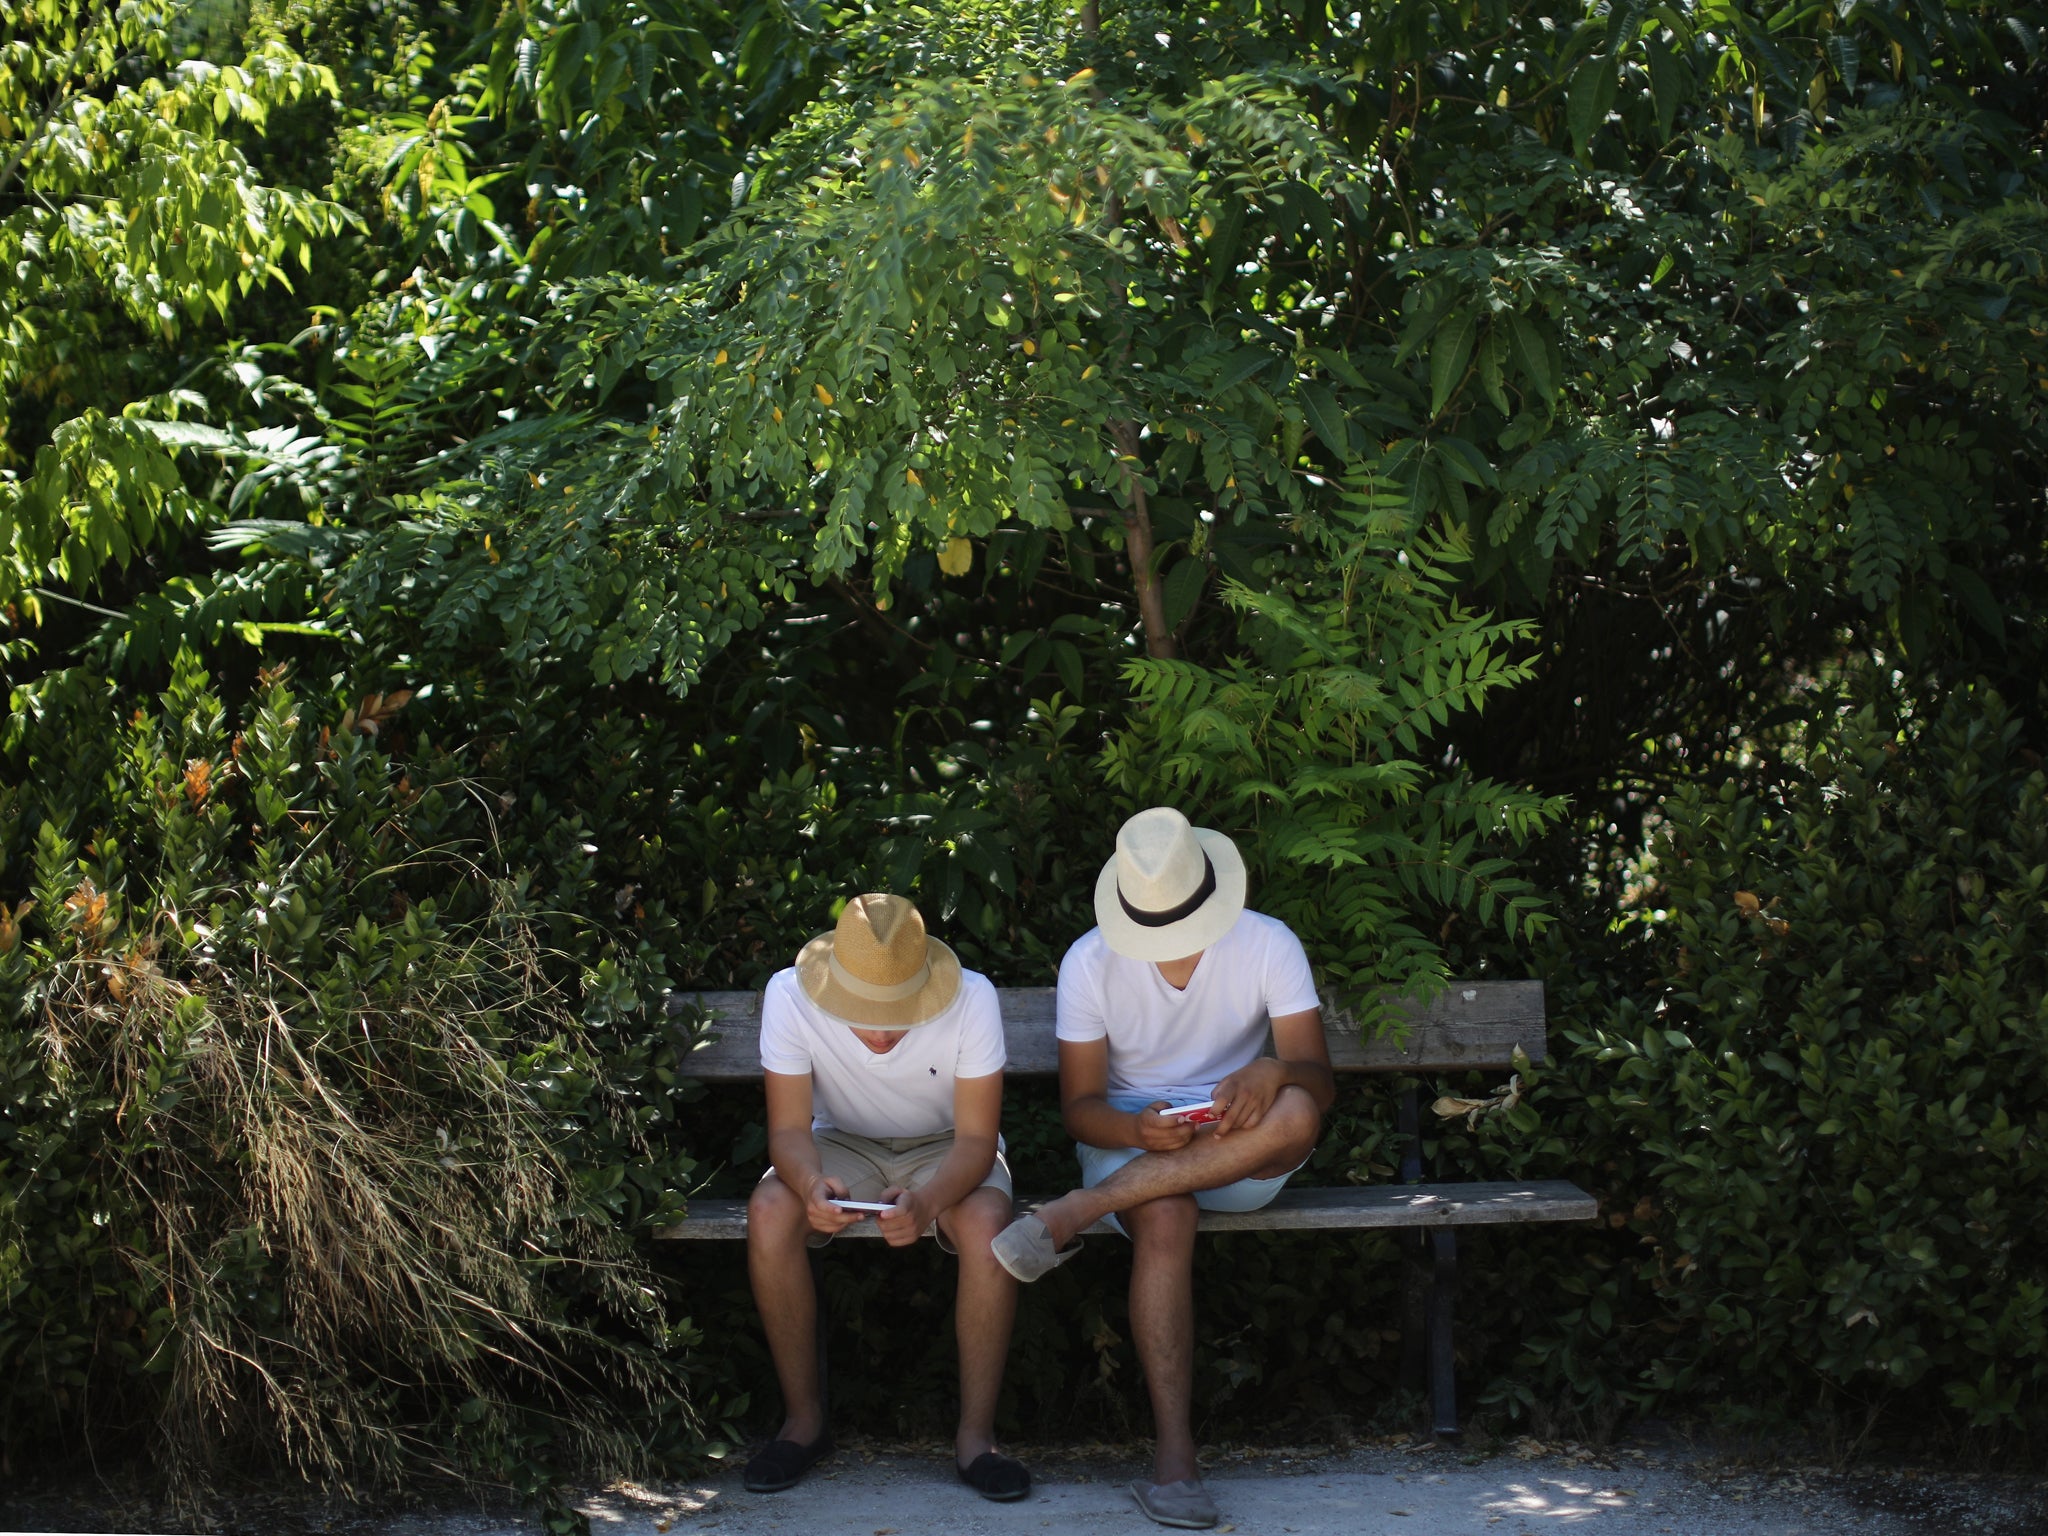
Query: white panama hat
<point x="1172" y="889"/>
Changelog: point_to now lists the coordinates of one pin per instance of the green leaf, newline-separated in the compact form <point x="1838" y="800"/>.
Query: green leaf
<point x="1449" y="351"/>
<point x="1533" y="351"/>
<point x="1490" y="372"/>
<point x="1183" y="585"/>
<point x="1590" y="98"/>
<point x="1844" y="54"/>
<point x="1066" y="660"/>
<point x="1667" y="85"/>
<point x="1974" y="593"/>
<point x="1325" y="416"/>
<point x="1243" y="364"/>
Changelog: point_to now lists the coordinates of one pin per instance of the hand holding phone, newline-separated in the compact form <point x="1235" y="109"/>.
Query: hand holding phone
<point x="821" y="1206"/>
<point x="865" y="1206"/>
<point x="1158" y="1131"/>
<point x="1205" y="1113"/>
<point x="904" y="1222"/>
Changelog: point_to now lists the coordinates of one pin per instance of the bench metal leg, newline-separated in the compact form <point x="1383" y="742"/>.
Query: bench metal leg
<point x="1415" y="1259"/>
<point x="1443" y="1370"/>
<point x="1427" y="1356"/>
<point x="1415" y="1311"/>
<point x="1411" y="1136"/>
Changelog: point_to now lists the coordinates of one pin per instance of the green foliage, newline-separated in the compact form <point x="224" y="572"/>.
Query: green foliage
<point x="937" y="331"/>
<point x="308" y="1159"/>
<point x="1316" y="747"/>
<point x="102" y="490"/>
<point x="1815" y="1116"/>
<point x="768" y="436"/>
<point x="1636" y="411"/>
<point x="134" y="210"/>
<point x="638" y="115"/>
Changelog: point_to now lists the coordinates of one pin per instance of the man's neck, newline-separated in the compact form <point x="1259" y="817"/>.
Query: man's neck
<point x="1178" y="973"/>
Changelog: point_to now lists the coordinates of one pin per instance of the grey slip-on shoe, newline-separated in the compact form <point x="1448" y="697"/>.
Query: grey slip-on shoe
<point x="1025" y="1249"/>
<point x="1185" y="1504"/>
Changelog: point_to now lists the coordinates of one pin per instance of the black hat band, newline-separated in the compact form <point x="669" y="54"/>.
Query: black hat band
<point x="1187" y="908"/>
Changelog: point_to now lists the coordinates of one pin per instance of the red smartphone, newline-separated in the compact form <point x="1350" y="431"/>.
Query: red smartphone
<point x="1205" y="1113"/>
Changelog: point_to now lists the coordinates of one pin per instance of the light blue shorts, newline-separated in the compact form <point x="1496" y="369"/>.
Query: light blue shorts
<point x="1098" y="1163"/>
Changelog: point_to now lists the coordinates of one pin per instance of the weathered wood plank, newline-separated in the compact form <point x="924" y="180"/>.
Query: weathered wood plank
<point x="1293" y="1210"/>
<point x="1472" y="1024"/>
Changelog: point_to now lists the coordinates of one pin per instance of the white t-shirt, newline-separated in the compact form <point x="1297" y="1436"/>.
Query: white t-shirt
<point x="904" y="1091"/>
<point x="1178" y="1046"/>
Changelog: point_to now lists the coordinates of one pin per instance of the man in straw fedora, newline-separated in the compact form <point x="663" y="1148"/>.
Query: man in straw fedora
<point x="1165" y="1002"/>
<point x="883" y="1061"/>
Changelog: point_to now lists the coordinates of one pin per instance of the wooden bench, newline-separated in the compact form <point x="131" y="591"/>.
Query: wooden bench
<point x="1474" y="1025"/>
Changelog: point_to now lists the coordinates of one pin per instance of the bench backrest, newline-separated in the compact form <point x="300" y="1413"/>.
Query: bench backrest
<point x="1472" y="1024"/>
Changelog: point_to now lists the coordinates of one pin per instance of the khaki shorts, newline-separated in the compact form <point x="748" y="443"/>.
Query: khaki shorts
<point x="867" y="1165"/>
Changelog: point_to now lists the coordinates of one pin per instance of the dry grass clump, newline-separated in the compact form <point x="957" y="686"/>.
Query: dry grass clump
<point x="350" y="1241"/>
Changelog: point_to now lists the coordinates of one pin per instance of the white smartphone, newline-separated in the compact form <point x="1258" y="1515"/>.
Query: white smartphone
<point x="1201" y="1113"/>
<point x="860" y="1205"/>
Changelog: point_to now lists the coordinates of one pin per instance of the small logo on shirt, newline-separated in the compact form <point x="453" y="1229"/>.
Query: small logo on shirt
<point x="933" y="1070"/>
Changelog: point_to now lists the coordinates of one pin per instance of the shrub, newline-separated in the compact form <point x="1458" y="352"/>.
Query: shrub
<point x="307" y="1157"/>
<point x="1818" y="1115"/>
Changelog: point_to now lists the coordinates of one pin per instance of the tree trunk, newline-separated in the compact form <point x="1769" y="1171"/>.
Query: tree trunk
<point x="1159" y="641"/>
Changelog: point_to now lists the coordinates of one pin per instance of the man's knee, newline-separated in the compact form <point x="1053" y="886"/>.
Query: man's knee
<point x="1294" y="1124"/>
<point x="774" y="1211"/>
<point x="1295" y="1116"/>
<point x="973" y="1224"/>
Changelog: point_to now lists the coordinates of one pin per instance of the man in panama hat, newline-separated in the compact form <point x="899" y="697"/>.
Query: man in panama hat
<point x="883" y="1061"/>
<point x="1165" y="1002"/>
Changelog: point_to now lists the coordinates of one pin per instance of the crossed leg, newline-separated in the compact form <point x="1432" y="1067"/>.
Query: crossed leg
<point x="1275" y="1146"/>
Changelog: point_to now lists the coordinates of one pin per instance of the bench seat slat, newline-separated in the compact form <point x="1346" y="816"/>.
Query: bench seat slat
<point x="1384" y="1205"/>
<point x="1472" y="1024"/>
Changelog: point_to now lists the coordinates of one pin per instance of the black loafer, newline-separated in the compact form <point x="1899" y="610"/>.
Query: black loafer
<point x="996" y="1476"/>
<point x="781" y="1464"/>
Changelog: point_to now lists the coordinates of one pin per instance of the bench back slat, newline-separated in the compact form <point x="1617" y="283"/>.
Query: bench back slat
<point x="1472" y="1024"/>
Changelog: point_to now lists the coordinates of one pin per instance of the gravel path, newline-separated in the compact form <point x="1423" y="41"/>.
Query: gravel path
<point x="1372" y="1492"/>
<point x="1523" y="1489"/>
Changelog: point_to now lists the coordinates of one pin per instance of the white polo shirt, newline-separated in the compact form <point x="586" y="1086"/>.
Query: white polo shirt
<point x="904" y="1091"/>
<point x="1178" y="1046"/>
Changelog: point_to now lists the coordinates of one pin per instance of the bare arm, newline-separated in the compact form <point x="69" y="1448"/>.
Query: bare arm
<point x="1091" y="1118"/>
<point x="1300" y="1059"/>
<point x="794" y="1151"/>
<point x="1302" y="1048"/>
<point x="977" y="1112"/>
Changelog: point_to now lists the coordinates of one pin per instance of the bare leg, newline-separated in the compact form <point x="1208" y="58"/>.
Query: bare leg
<point x="1163" y="1324"/>
<point x="1274" y="1146"/>
<point x="982" y="1316"/>
<point x="779" y="1264"/>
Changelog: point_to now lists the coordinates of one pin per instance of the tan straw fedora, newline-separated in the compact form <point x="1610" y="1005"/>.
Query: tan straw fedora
<point x="1171" y="891"/>
<point x="879" y="969"/>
